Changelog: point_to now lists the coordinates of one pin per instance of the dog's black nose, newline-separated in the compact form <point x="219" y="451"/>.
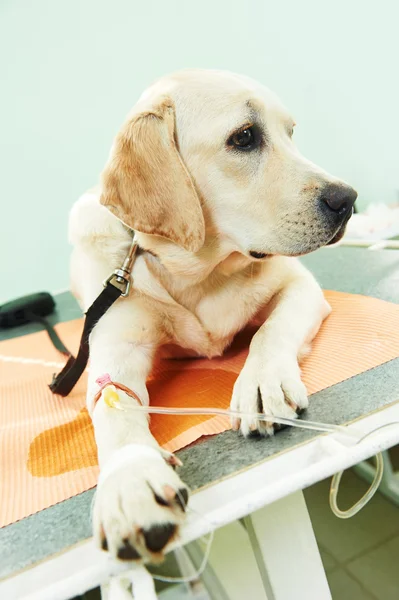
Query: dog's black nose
<point x="339" y="198"/>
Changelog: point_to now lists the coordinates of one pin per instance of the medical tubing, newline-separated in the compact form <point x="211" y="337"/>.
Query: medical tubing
<point x="312" y="425"/>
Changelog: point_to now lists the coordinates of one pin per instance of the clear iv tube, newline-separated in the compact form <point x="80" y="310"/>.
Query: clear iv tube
<point x="315" y="426"/>
<point x="303" y="424"/>
<point x="358" y="436"/>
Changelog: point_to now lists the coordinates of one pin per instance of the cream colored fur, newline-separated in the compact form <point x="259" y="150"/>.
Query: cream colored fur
<point x="199" y="208"/>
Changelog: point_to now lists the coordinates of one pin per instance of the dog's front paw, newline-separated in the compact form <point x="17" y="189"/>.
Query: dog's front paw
<point x="274" y="388"/>
<point x="139" y="504"/>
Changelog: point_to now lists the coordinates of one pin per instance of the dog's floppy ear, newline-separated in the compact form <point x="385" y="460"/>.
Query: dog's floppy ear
<point x="146" y="184"/>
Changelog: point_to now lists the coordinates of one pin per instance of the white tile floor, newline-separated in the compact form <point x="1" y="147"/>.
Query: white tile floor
<point x="360" y="554"/>
<point x="378" y="570"/>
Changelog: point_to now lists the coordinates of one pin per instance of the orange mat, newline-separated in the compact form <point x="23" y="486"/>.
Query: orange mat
<point x="47" y="449"/>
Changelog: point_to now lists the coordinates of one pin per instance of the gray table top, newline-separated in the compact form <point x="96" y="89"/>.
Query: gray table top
<point x="211" y="459"/>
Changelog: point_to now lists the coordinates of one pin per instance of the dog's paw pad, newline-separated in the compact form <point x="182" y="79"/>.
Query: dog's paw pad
<point x="127" y="551"/>
<point x="139" y="508"/>
<point x="157" y="536"/>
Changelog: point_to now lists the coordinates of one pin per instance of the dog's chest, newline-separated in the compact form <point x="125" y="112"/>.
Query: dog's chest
<point x="209" y="318"/>
<point x="204" y="317"/>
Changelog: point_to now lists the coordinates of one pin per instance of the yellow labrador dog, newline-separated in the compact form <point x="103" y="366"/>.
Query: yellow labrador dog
<point x="205" y="171"/>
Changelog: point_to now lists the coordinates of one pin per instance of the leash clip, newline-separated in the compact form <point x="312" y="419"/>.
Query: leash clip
<point x="121" y="277"/>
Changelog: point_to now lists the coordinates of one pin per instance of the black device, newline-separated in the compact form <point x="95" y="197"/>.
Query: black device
<point x="20" y="311"/>
<point x="31" y="309"/>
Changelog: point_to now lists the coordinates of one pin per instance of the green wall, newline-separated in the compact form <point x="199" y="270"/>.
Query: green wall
<point x="71" y="70"/>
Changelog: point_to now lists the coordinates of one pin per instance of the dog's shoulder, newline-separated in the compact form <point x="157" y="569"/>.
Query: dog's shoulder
<point x="91" y="223"/>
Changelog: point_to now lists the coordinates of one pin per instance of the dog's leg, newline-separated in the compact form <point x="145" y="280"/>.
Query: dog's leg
<point x="140" y="500"/>
<point x="270" y="381"/>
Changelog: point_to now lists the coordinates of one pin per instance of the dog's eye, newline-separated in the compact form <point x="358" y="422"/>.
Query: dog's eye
<point x="244" y="139"/>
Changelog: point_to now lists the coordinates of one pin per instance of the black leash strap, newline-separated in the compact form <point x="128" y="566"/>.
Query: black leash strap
<point x="118" y="284"/>
<point x="53" y="335"/>
<point x="65" y="381"/>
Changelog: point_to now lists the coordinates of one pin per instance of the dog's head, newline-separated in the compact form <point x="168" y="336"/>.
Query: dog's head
<point x="211" y="153"/>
